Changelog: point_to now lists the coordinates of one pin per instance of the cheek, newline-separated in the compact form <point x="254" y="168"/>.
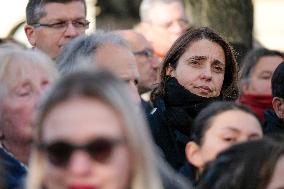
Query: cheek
<point x="119" y="170"/>
<point x="53" y="177"/>
<point x="218" y="81"/>
<point x="211" y="148"/>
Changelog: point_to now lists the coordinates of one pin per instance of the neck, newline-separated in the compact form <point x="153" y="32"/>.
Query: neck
<point x="20" y="151"/>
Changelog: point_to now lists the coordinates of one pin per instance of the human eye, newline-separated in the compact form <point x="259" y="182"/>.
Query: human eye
<point x="218" y="68"/>
<point x="265" y="76"/>
<point x="80" y="23"/>
<point x="58" y="25"/>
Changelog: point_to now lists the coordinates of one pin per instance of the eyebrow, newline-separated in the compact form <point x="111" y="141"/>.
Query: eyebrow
<point x="238" y="131"/>
<point x="204" y="58"/>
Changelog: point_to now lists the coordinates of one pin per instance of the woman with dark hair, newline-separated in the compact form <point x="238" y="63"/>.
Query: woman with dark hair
<point x="199" y="68"/>
<point x="255" y="75"/>
<point x="216" y="128"/>
<point x="251" y="165"/>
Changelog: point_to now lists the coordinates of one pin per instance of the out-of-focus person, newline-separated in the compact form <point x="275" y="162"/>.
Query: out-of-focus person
<point x="147" y="63"/>
<point x="274" y="117"/>
<point x="24" y="77"/>
<point x="199" y="68"/>
<point x="101" y="50"/>
<point x="255" y="79"/>
<point x="217" y="127"/>
<point x="251" y="165"/>
<point x="91" y="135"/>
<point x="53" y="23"/>
<point x="162" y="22"/>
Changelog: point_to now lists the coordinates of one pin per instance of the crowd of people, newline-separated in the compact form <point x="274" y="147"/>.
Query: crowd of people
<point x="164" y="105"/>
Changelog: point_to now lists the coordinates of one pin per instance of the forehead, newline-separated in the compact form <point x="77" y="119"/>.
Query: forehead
<point x="24" y="70"/>
<point x="236" y="120"/>
<point x="138" y="42"/>
<point x="118" y="59"/>
<point x="71" y="10"/>
<point x="267" y="63"/>
<point x="205" y="47"/>
<point x="82" y="119"/>
<point x="160" y="12"/>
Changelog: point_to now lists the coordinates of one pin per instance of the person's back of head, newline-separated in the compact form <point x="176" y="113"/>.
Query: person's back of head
<point x="250" y="165"/>
<point x="277" y="85"/>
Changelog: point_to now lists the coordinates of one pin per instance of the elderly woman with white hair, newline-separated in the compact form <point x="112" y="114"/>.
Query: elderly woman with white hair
<point x="91" y="134"/>
<point x="24" y="76"/>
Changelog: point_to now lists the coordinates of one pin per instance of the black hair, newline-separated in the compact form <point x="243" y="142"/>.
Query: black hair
<point x="203" y="120"/>
<point x="277" y="81"/>
<point x="248" y="165"/>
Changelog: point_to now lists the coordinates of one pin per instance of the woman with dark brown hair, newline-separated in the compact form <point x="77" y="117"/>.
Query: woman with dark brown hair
<point x="199" y="68"/>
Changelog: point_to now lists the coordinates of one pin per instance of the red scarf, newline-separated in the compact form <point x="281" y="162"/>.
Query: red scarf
<point x="258" y="103"/>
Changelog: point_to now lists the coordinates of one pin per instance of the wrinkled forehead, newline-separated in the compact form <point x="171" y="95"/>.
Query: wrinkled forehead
<point x="60" y="10"/>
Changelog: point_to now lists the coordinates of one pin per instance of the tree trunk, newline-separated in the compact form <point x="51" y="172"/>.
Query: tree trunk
<point x="233" y="19"/>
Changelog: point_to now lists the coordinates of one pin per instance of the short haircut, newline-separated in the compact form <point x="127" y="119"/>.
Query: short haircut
<point x="277" y="81"/>
<point x="82" y="50"/>
<point x="247" y="165"/>
<point x="251" y="59"/>
<point x="34" y="9"/>
<point x="147" y="6"/>
<point x="205" y="117"/>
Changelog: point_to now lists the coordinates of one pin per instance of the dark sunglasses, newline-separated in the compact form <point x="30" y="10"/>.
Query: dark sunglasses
<point x="100" y="150"/>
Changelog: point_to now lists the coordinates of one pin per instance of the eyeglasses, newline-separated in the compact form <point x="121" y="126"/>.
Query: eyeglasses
<point x="149" y="53"/>
<point x="100" y="150"/>
<point x="62" y="25"/>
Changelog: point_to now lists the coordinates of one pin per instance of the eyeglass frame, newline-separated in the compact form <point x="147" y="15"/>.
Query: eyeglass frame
<point x="64" y="25"/>
<point x="148" y="53"/>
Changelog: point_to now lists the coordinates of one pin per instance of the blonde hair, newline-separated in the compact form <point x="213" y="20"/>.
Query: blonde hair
<point x="105" y="87"/>
<point x="16" y="63"/>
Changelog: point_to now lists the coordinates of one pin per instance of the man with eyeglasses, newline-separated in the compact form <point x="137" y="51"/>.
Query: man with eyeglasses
<point x="53" y="23"/>
<point x="162" y="22"/>
<point x="147" y="64"/>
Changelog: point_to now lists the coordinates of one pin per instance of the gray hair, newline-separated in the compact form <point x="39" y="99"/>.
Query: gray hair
<point x="102" y="85"/>
<point x="34" y="9"/>
<point x="12" y="57"/>
<point x="81" y="51"/>
<point x="251" y="60"/>
<point x="147" y="6"/>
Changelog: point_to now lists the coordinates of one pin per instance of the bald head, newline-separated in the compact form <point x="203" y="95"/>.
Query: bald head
<point x="147" y="62"/>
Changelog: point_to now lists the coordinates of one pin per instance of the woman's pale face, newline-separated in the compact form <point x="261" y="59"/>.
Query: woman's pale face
<point x="201" y="68"/>
<point x="276" y="181"/>
<point x="226" y="129"/>
<point x="24" y="89"/>
<point x="260" y="79"/>
<point x="79" y="121"/>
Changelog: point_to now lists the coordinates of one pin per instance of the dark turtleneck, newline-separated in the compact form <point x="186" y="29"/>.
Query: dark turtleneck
<point x="182" y="106"/>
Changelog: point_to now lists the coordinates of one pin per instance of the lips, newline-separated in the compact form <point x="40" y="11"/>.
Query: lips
<point x="204" y="89"/>
<point x="82" y="187"/>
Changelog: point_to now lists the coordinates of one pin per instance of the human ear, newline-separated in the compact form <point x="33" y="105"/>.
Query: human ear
<point x="170" y="71"/>
<point x="193" y="154"/>
<point x="245" y="86"/>
<point x="278" y="106"/>
<point x="30" y="33"/>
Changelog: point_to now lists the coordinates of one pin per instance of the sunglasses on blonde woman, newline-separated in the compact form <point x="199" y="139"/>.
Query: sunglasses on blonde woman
<point x="59" y="152"/>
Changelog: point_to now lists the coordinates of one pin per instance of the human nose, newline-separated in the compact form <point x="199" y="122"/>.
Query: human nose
<point x="206" y="73"/>
<point x="134" y="90"/>
<point x="70" y="30"/>
<point x="80" y="163"/>
<point x="155" y="62"/>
